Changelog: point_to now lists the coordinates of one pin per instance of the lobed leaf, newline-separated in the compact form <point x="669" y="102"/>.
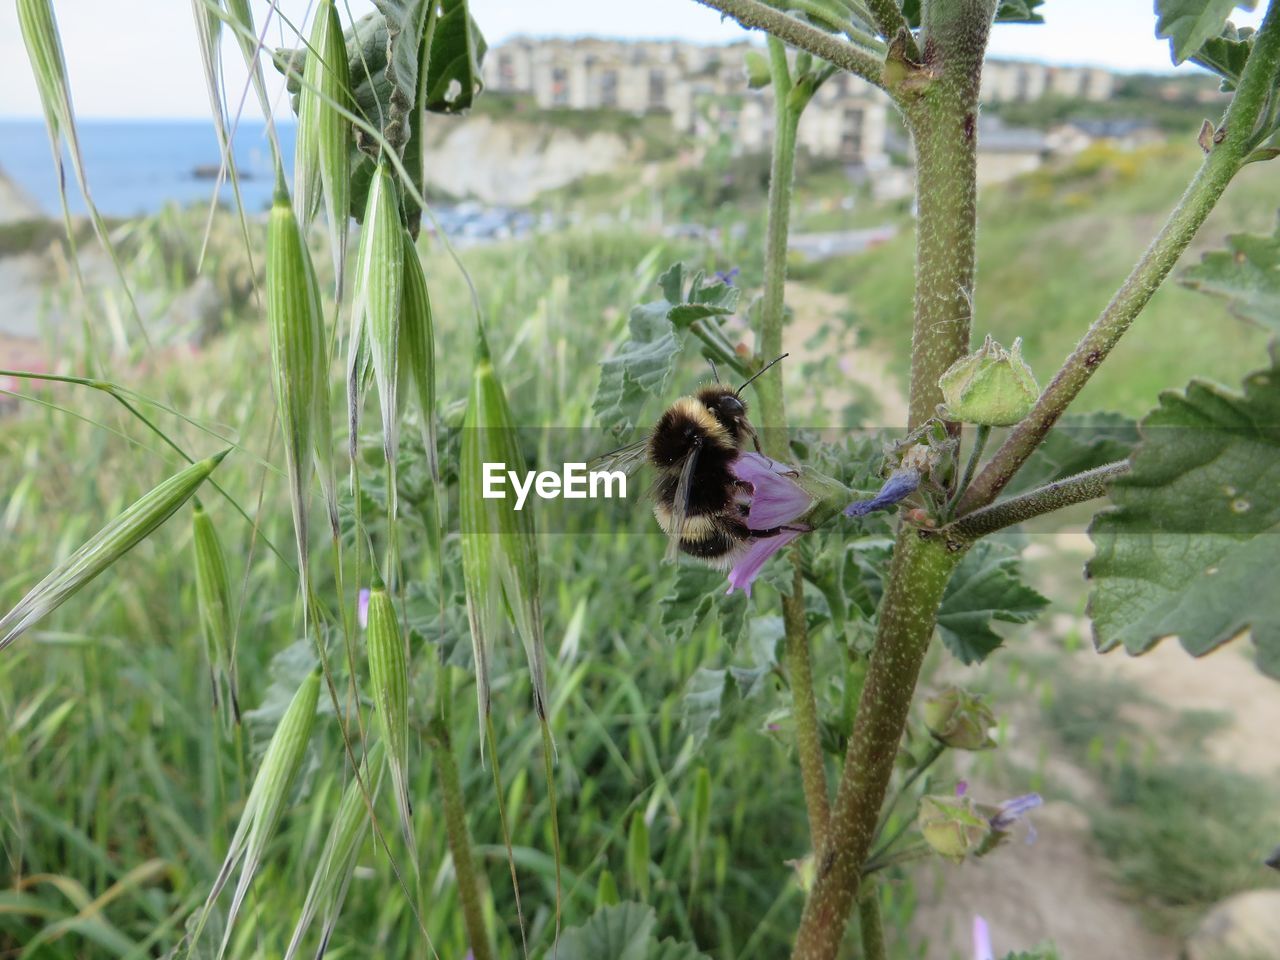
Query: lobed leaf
<point x="1189" y="24"/>
<point x="105" y="547"/>
<point x="1190" y="547"/>
<point x="405" y="21"/>
<point x="623" y="931"/>
<point x="1226" y="54"/>
<point x="642" y="365"/>
<point x="1246" y="274"/>
<point x="985" y="587"/>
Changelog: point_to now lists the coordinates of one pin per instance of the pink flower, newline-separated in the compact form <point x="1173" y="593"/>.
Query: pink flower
<point x="982" y="949"/>
<point x="776" y="501"/>
<point x="362" y="608"/>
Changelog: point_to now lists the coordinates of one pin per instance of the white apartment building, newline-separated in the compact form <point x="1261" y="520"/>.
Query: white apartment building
<point x="704" y="90"/>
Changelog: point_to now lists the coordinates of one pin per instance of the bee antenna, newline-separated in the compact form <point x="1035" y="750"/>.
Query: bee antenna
<point x="760" y="371"/>
<point x="714" y="372"/>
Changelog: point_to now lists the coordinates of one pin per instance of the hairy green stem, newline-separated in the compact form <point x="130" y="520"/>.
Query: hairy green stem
<point x="804" y="709"/>
<point x="773" y="415"/>
<point x="921" y="567"/>
<point x="943" y="121"/>
<point x="980" y="438"/>
<point x="774" y="431"/>
<point x="1239" y="135"/>
<point x="1088" y="485"/>
<point x="455" y="822"/>
<point x="871" y="924"/>
<point x="755" y="15"/>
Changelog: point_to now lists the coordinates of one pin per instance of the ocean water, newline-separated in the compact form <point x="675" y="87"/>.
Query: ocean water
<point x="136" y="167"/>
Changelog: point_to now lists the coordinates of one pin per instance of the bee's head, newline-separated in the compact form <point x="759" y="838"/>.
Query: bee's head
<point x="728" y="408"/>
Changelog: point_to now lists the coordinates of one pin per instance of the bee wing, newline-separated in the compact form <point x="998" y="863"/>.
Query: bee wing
<point x="680" y="504"/>
<point x="627" y="458"/>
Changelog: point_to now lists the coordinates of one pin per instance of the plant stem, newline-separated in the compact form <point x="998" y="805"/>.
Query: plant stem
<point x="871" y="924"/>
<point x="804" y="708"/>
<point x="755" y="15"/>
<point x="774" y="433"/>
<point x="921" y="567"/>
<point x="980" y="438"/>
<point x="1088" y="485"/>
<point x="936" y="749"/>
<point x="773" y="414"/>
<point x="943" y="122"/>
<point x="1220" y="166"/>
<point x="889" y="20"/>
<point x="455" y="822"/>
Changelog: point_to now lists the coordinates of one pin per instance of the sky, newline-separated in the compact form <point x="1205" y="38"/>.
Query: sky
<point x="139" y="59"/>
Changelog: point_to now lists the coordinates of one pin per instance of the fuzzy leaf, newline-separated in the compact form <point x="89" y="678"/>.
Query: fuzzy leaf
<point x="1226" y="54"/>
<point x="1189" y="549"/>
<point x="453" y="68"/>
<point x="642" y="365"/>
<point x="985" y="587"/>
<point x="695" y="592"/>
<point x="405" y="20"/>
<point x="1247" y="274"/>
<point x="1188" y="24"/>
<point x="623" y="932"/>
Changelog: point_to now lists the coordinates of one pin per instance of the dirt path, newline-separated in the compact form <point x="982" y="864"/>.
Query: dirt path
<point x="864" y="366"/>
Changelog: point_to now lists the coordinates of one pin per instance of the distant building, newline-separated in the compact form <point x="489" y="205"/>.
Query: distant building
<point x="704" y="90"/>
<point x="1023" y="81"/>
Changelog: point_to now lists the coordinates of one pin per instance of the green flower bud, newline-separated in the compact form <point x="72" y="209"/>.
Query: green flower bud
<point x="960" y="720"/>
<point x="952" y="826"/>
<point x="991" y="387"/>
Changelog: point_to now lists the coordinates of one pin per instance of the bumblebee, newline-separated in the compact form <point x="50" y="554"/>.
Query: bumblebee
<point x="700" y="503"/>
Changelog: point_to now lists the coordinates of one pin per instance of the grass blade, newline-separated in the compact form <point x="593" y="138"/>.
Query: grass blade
<point x="389" y="679"/>
<point x="213" y="600"/>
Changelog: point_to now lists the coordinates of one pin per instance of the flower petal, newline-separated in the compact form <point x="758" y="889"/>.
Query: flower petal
<point x="362" y="608"/>
<point x="982" y="949"/>
<point x="776" y="499"/>
<point x="1011" y="811"/>
<point x="901" y="484"/>
<point x="746" y="570"/>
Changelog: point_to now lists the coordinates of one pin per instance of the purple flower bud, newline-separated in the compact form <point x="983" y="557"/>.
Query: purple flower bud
<point x="982" y="949"/>
<point x="1011" y="811"/>
<point x="962" y="787"/>
<point x="727" y="277"/>
<point x="362" y="608"/>
<point x="900" y="485"/>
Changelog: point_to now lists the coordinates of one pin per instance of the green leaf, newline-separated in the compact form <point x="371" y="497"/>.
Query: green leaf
<point x="703" y="700"/>
<point x="1226" y="54"/>
<point x="695" y="592"/>
<point x="453" y="66"/>
<point x="985" y="587"/>
<point x="623" y="932"/>
<point x="642" y="365"/>
<point x="1077" y="442"/>
<point x="1189" y="24"/>
<point x="1189" y="549"/>
<point x="1247" y="274"/>
<point x="405" y="20"/>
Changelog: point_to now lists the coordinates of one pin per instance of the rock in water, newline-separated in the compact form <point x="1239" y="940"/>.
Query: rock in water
<point x="1243" y="927"/>
<point x="15" y="204"/>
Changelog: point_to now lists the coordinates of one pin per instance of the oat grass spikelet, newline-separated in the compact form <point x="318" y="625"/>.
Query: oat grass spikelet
<point x="105" y="547"/>
<point x="213" y="602"/>
<point x="389" y="683"/>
